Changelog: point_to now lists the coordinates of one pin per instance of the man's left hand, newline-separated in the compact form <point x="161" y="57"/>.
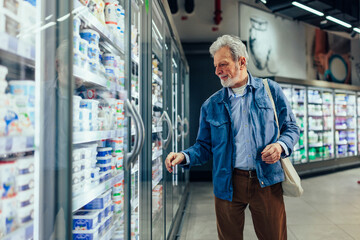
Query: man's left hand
<point x="271" y="153"/>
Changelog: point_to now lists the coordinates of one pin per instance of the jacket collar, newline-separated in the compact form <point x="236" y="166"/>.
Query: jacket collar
<point x="224" y="92"/>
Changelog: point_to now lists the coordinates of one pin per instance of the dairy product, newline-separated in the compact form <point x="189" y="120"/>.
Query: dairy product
<point x="86" y="219"/>
<point x="91" y="36"/>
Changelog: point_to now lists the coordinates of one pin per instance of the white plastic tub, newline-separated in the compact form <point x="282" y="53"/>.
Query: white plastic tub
<point x="86" y="220"/>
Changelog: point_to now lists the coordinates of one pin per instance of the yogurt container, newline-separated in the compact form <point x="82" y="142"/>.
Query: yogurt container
<point x="104" y="151"/>
<point x="25" y="198"/>
<point x="86" y="219"/>
<point x="104" y="160"/>
<point x="76" y="102"/>
<point x="8" y="179"/>
<point x="83" y="60"/>
<point x="111" y="16"/>
<point x="83" y="46"/>
<point x="87" y="234"/>
<point x="110" y="60"/>
<point x="91" y="36"/>
<point x="76" y="43"/>
<point x="25" y="165"/>
<point x="77" y="59"/>
<point x="76" y="26"/>
<point x="93" y="65"/>
<point x="90" y="104"/>
<point x="78" y="177"/>
<point x="110" y="74"/>
<point x="25" y="214"/>
<point x="104" y="167"/>
<point x="93" y="52"/>
<point x="24" y="88"/>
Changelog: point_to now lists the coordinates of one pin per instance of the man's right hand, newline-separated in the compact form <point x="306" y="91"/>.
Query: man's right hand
<point x="173" y="159"/>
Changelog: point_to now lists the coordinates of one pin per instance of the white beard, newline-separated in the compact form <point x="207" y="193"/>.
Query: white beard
<point x="230" y="82"/>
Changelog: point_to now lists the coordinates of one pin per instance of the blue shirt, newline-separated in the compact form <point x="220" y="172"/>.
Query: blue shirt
<point x="245" y="150"/>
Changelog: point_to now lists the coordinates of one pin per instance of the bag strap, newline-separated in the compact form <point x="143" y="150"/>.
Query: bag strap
<point x="266" y="84"/>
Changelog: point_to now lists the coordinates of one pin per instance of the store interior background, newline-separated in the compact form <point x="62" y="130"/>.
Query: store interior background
<point x="292" y="43"/>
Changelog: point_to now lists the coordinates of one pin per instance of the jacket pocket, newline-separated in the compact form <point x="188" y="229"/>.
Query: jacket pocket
<point x="219" y="132"/>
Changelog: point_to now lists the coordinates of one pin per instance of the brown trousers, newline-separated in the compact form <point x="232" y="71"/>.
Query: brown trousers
<point x="266" y="206"/>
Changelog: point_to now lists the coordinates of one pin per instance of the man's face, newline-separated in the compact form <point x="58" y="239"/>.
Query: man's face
<point x="226" y="68"/>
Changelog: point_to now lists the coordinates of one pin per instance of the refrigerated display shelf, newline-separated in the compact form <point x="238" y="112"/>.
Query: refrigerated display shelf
<point x="344" y="115"/>
<point x="15" y="144"/>
<point x="157" y="79"/>
<point x="315" y="103"/>
<point x="345" y="129"/>
<point x="156" y="154"/>
<point x="25" y="232"/>
<point x="315" y="115"/>
<point x="342" y="143"/>
<point x="112" y="43"/>
<point x="86" y="197"/>
<point x="156" y="181"/>
<point x="89" y="77"/>
<point x="17" y="50"/>
<point x="91" y="136"/>
<point x="109" y="233"/>
<point x="316" y="130"/>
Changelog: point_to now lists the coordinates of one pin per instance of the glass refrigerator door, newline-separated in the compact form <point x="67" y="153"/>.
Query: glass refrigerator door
<point x="158" y="52"/>
<point x="345" y="124"/>
<point x="177" y="121"/>
<point x="19" y="158"/>
<point x="296" y="96"/>
<point x="316" y="124"/>
<point x="328" y="115"/>
<point x="358" y="122"/>
<point x="104" y="173"/>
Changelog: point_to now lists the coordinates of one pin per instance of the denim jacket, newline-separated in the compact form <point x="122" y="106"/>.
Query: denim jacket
<point x="215" y="136"/>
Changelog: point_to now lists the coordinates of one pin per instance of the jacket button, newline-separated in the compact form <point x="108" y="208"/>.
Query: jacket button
<point x="262" y="183"/>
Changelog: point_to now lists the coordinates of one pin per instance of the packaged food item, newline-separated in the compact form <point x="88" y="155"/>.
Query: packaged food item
<point x="99" y="202"/>
<point x="93" y="52"/>
<point x="25" y="165"/>
<point x="25" y="182"/>
<point x="8" y="179"/>
<point x="9" y="220"/>
<point x="76" y="26"/>
<point x="111" y="16"/>
<point x="93" y="65"/>
<point x="25" y="214"/>
<point x="104" y="160"/>
<point x="97" y="8"/>
<point x="86" y="219"/>
<point x="24" y="88"/>
<point x="25" y="198"/>
<point x="86" y="234"/>
<point x="91" y="36"/>
<point x="83" y="46"/>
<point x="104" y="151"/>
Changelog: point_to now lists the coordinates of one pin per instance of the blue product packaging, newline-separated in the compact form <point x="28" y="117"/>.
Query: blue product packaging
<point x="99" y="202"/>
<point x="87" y="234"/>
<point x="85" y="220"/>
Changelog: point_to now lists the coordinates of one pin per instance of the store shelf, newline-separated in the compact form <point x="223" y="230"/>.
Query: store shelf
<point x="89" y="77"/>
<point x="345" y="129"/>
<point x="16" y="144"/>
<point x="16" y="50"/>
<point x="315" y="103"/>
<point x="157" y="79"/>
<point x="344" y="115"/>
<point x="109" y="233"/>
<point x="156" y="154"/>
<point x="316" y="145"/>
<point x="316" y="130"/>
<point x="110" y="41"/>
<point x="315" y="115"/>
<point x="86" y="197"/>
<point x="156" y="181"/>
<point x="91" y="136"/>
<point x="25" y="232"/>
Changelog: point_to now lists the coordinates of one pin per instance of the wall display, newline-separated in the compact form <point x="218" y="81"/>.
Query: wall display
<point x="276" y="46"/>
<point x="330" y="55"/>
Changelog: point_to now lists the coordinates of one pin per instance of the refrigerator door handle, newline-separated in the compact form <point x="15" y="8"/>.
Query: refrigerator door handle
<point x="130" y="156"/>
<point x="165" y="117"/>
<point x="185" y="122"/>
<point x="180" y="128"/>
<point x="141" y="132"/>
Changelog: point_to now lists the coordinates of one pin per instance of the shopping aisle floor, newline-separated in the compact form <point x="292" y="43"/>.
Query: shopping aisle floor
<point x="329" y="209"/>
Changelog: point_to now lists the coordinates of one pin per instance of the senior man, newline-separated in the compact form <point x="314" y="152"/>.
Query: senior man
<point x="238" y="128"/>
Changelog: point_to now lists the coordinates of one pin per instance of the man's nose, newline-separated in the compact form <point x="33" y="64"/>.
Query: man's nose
<point x="217" y="71"/>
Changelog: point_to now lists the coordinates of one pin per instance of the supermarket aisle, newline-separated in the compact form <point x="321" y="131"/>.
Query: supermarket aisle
<point x="329" y="209"/>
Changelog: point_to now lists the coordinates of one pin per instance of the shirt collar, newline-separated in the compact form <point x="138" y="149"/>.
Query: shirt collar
<point x="249" y="83"/>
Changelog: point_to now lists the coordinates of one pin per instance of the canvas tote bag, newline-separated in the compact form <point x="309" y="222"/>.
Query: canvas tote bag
<point x="292" y="184"/>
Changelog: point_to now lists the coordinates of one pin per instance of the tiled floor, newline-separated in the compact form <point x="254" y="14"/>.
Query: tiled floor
<point x="329" y="209"/>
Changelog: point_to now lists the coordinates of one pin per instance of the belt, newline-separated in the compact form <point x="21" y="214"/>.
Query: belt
<point x="247" y="173"/>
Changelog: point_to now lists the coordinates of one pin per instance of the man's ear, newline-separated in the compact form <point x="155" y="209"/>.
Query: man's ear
<point x="242" y="62"/>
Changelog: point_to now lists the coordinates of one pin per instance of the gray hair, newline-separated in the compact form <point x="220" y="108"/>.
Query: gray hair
<point x="236" y="46"/>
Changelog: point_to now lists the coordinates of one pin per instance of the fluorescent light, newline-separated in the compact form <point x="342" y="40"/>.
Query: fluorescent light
<point x="263" y="1"/>
<point x="356" y="30"/>
<point x="309" y="9"/>
<point x="335" y="20"/>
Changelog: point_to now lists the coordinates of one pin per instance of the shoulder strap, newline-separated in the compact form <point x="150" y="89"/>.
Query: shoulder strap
<point x="266" y="84"/>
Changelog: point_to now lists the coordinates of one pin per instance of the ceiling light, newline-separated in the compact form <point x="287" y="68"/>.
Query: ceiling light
<point x="356" y="30"/>
<point x="309" y="9"/>
<point x="335" y="20"/>
<point x="263" y="1"/>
